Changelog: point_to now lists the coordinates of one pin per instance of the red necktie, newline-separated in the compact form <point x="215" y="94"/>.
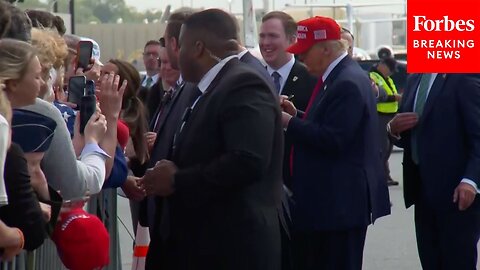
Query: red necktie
<point x="315" y="92"/>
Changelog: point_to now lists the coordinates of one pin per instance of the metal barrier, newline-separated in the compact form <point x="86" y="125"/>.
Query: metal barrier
<point x="104" y="205"/>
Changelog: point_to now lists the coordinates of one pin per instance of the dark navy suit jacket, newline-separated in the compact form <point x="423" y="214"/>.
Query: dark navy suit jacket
<point x="448" y="140"/>
<point x="337" y="176"/>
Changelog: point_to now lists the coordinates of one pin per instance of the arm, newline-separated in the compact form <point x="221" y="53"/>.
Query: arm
<point x="469" y="104"/>
<point x="94" y="157"/>
<point x="109" y="143"/>
<point x="343" y="118"/>
<point x="23" y="210"/>
<point x="110" y="97"/>
<point x="71" y="177"/>
<point x="119" y="173"/>
<point x="248" y="125"/>
<point x="37" y="178"/>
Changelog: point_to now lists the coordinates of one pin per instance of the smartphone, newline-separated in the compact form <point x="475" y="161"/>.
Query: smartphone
<point x="76" y="89"/>
<point x="84" y="54"/>
<point x="88" y="106"/>
<point x="90" y="88"/>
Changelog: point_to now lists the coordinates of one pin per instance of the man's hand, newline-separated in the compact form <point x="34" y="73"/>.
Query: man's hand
<point x="95" y="128"/>
<point x="15" y="240"/>
<point x="159" y="180"/>
<point x="285" y="119"/>
<point x="92" y="72"/>
<point x="132" y="189"/>
<point x="150" y="137"/>
<point x="46" y="211"/>
<point x="402" y="122"/>
<point x="464" y="194"/>
<point x="111" y="95"/>
<point x="287" y="106"/>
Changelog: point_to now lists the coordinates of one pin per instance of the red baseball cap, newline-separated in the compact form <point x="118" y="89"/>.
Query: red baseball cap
<point x="82" y="240"/>
<point x="314" y="30"/>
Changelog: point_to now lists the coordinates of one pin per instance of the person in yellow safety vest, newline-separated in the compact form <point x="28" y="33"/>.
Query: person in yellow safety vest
<point x="386" y="108"/>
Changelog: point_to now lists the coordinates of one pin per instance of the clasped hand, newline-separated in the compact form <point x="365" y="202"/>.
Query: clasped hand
<point x="159" y="180"/>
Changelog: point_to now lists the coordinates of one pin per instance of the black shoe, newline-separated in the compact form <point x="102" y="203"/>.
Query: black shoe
<point x="391" y="182"/>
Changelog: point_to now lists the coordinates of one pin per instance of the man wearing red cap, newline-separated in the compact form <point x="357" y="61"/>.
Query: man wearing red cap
<point x="338" y="182"/>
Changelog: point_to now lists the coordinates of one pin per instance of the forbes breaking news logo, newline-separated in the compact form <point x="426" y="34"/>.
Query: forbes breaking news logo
<point x="443" y="49"/>
<point x="442" y="37"/>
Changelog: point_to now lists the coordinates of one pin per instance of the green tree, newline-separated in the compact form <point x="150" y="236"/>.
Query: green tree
<point x="32" y="4"/>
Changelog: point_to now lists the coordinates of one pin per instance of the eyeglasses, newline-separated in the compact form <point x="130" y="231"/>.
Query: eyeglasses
<point x="150" y="54"/>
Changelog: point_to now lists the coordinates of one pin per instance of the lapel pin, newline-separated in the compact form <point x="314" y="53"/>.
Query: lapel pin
<point x="295" y="78"/>
<point x="444" y="75"/>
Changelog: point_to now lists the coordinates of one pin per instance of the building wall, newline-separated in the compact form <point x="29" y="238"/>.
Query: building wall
<point x="123" y="41"/>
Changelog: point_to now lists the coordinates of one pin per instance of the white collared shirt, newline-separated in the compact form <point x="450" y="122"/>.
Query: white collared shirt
<point x="4" y="135"/>
<point x="242" y="53"/>
<point x="284" y="72"/>
<point x="332" y="66"/>
<point x="154" y="80"/>
<point x="208" y="78"/>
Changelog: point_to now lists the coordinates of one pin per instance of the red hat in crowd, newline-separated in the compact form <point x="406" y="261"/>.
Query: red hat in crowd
<point x="314" y="30"/>
<point x="123" y="133"/>
<point x="82" y="240"/>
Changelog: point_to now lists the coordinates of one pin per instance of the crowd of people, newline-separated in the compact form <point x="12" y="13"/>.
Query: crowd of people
<point x="232" y="162"/>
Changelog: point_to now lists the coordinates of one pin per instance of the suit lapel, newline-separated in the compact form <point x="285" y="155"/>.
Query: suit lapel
<point x="409" y="99"/>
<point x="194" y="113"/>
<point x="292" y="80"/>
<point x="436" y="89"/>
<point x="331" y="77"/>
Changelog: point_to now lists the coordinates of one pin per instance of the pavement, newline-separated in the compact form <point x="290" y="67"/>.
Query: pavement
<point x="390" y="243"/>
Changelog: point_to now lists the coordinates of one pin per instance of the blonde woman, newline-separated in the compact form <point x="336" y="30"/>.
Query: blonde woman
<point x="21" y="221"/>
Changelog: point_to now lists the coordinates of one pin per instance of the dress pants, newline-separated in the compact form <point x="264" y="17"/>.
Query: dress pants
<point x="447" y="240"/>
<point x="329" y="250"/>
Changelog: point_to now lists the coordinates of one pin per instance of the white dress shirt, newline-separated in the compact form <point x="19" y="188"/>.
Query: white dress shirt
<point x="208" y="78"/>
<point x="332" y="66"/>
<point x="4" y="135"/>
<point x="284" y="72"/>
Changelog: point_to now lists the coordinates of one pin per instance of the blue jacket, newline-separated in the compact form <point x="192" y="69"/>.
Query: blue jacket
<point x="338" y="183"/>
<point x="119" y="173"/>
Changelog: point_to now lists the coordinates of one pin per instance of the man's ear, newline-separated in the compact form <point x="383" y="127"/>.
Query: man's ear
<point x="174" y="44"/>
<point x="199" y="48"/>
<point x="292" y="39"/>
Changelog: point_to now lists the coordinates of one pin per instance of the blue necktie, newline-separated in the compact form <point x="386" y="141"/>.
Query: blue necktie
<point x="419" y="106"/>
<point x="276" y="81"/>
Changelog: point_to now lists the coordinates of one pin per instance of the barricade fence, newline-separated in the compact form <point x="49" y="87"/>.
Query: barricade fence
<point x="46" y="257"/>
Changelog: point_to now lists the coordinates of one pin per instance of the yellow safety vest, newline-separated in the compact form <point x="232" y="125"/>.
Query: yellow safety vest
<point x="385" y="107"/>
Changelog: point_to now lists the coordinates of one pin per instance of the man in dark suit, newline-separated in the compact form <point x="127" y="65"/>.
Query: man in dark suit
<point x="337" y="178"/>
<point x="277" y="32"/>
<point x="224" y="180"/>
<point x="290" y="76"/>
<point x="438" y="129"/>
<point x="164" y="123"/>
<point x="246" y="57"/>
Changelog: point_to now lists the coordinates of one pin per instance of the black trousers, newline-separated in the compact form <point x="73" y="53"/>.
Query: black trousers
<point x="329" y="250"/>
<point x="447" y="240"/>
<point x="386" y="146"/>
